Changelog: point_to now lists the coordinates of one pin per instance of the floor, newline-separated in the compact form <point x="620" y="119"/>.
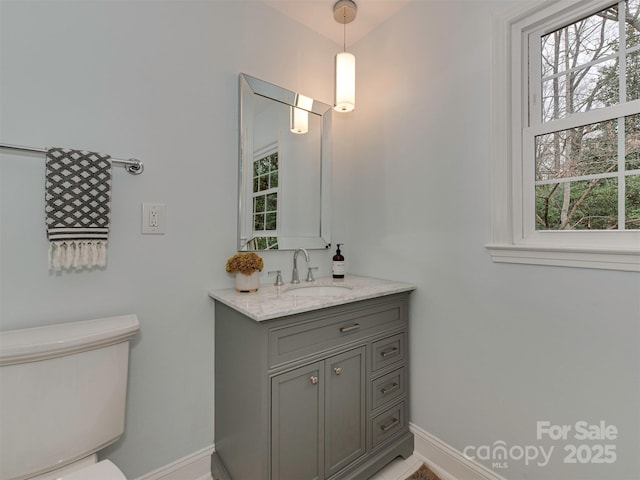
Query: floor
<point x="399" y="469"/>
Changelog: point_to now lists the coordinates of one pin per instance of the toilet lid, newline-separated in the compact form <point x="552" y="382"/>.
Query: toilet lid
<point x="104" y="470"/>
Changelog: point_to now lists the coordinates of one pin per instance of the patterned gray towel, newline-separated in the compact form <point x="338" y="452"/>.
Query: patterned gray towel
<point x="77" y="194"/>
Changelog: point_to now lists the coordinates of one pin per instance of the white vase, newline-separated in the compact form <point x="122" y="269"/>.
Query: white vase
<point x="248" y="283"/>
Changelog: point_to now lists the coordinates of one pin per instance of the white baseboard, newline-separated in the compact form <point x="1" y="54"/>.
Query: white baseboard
<point x="446" y="461"/>
<point x="196" y="466"/>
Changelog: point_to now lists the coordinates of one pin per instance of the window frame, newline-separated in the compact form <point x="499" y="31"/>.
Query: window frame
<point x="513" y="240"/>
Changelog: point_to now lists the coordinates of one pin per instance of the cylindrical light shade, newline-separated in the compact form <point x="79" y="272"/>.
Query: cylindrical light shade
<point x="299" y="117"/>
<point x="345" y="88"/>
<point x="299" y="120"/>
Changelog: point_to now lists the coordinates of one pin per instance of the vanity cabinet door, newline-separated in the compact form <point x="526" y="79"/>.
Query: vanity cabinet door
<point x="297" y="424"/>
<point x="319" y="417"/>
<point x="345" y="409"/>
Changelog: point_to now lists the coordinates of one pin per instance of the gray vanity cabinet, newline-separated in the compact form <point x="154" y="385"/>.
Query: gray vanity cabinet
<point x="312" y="396"/>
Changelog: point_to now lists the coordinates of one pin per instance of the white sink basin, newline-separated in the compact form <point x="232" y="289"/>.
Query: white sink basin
<point x="318" y="290"/>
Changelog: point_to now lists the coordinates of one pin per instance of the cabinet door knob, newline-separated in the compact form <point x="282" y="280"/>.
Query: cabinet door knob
<point x="314" y="380"/>
<point x="337" y="370"/>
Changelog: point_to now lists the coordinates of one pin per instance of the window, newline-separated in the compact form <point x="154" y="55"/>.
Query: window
<point x="265" y="199"/>
<point x="566" y="136"/>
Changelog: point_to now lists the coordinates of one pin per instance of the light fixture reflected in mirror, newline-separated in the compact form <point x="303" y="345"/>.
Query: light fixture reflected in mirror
<point x="344" y="11"/>
<point x="299" y="115"/>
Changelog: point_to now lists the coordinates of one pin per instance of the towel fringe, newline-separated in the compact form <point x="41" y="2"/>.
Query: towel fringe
<point x="77" y="254"/>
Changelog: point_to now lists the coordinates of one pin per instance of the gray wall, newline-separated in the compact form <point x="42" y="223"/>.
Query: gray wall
<point x="494" y="347"/>
<point x="158" y="81"/>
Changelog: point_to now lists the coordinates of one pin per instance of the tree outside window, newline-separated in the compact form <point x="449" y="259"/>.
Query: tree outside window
<point x="587" y="177"/>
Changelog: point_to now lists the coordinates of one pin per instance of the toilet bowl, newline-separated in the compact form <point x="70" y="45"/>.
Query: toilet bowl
<point x="104" y="470"/>
<point x="57" y="380"/>
<point x="85" y="469"/>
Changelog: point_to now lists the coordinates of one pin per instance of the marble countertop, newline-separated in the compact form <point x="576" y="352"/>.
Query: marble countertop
<point x="271" y="302"/>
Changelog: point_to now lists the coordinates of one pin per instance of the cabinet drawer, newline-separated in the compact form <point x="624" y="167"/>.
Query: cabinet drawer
<point x="388" y="351"/>
<point x="388" y="423"/>
<point x="291" y="342"/>
<point x="388" y="388"/>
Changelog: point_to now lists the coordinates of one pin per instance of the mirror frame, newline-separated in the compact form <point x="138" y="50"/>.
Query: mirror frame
<point x="287" y="97"/>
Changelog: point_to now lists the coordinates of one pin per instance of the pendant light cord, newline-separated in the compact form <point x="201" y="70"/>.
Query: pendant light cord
<point x="344" y="29"/>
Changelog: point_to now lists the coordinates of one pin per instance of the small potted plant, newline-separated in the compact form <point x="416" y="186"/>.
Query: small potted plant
<point x="246" y="267"/>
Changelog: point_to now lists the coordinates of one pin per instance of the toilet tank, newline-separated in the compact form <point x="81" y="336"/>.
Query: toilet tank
<point x="62" y="392"/>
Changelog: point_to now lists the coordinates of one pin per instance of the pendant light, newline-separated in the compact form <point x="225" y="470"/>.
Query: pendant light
<point x="299" y="115"/>
<point x="344" y="11"/>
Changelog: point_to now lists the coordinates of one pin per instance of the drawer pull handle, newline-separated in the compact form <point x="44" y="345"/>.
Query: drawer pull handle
<point x="390" y="353"/>
<point x="337" y="370"/>
<point x="391" y="388"/>
<point x="389" y="426"/>
<point x="314" y="380"/>
<point x="353" y="327"/>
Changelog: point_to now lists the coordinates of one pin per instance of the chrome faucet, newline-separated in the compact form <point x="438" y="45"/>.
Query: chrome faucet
<point x="294" y="275"/>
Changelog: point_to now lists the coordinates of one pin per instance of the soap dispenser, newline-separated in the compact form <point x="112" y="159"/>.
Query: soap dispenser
<point x="337" y="269"/>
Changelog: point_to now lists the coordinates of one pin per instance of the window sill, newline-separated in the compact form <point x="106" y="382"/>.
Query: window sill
<point x="623" y="260"/>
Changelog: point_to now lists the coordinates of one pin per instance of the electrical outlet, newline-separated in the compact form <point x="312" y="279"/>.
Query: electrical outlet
<point x="153" y="218"/>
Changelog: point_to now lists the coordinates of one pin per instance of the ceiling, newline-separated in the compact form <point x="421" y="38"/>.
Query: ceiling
<point x="317" y="15"/>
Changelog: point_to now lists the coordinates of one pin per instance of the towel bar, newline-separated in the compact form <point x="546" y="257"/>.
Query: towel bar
<point x="133" y="165"/>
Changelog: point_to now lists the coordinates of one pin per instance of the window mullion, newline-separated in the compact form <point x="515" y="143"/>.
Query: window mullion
<point x="622" y="82"/>
<point x="622" y="195"/>
<point x="577" y="178"/>
<point x="582" y="66"/>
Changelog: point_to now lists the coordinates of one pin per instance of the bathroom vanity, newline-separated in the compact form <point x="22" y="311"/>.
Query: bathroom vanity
<point x="311" y="381"/>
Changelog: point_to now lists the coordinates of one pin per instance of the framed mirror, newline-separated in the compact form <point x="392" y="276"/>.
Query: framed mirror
<point x="284" y="199"/>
